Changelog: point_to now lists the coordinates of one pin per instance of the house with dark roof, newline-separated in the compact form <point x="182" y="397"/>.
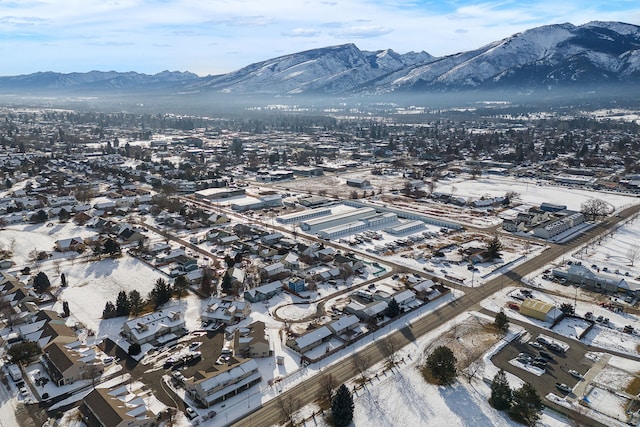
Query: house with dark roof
<point x="251" y="341"/>
<point x="67" y="365"/>
<point x="116" y="408"/>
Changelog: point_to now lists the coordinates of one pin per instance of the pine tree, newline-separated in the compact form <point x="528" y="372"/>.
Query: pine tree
<point x="109" y="310"/>
<point x="342" y="407"/>
<point x="180" y="285"/>
<point x="494" y="247"/>
<point x="160" y="293"/>
<point x="393" y="309"/>
<point x="526" y="406"/>
<point x="227" y="282"/>
<point x="500" y="392"/>
<point x="442" y="364"/>
<point x="501" y="321"/>
<point x="41" y="282"/>
<point x="65" y="309"/>
<point x="207" y="281"/>
<point x="122" y="304"/>
<point x="136" y="303"/>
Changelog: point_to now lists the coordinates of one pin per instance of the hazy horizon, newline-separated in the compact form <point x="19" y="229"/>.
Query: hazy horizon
<point x="150" y="36"/>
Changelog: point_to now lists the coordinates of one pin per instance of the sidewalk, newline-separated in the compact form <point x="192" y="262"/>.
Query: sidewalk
<point x="581" y="387"/>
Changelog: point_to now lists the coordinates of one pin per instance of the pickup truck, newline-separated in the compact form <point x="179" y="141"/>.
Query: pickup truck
<point x="563" y="387"/>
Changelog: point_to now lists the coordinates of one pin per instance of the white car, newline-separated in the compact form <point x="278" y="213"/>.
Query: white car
<point x="24" y="392"/>
<point x="190" y="413"/>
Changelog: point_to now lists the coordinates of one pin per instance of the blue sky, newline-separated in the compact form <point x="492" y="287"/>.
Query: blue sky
<point x="218" y="36"/>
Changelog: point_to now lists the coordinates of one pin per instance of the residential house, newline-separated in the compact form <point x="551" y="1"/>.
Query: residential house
<point x="343" y="325"/>
<point x="150" y="327"/>
<point x="272" y="270"/>
<point x="119" y="407"/>
<point x="358" y="182"/>
<point x="367" y="312"/>
<point x="251" y="341"/>
<point x="264" y="292"/>
<point x="296" y="284"/>
<point x="66" y="365"/>
<point x="71" y="244"/>
<point x="310" y="340"/>
<point x="405" y="299"/>
<point x="223" y="381"/>
<point x="226" y="311"/>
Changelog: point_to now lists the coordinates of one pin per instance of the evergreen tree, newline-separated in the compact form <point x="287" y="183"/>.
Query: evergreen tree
<point x="206" y="285"/>
<point x="136" y="303"/>
<point x="501" y="321"/>
<point x="442" y="364"/>
<point x="500" y="392"/>
<point x="64" y="215"/>
<point x="122" y="304"/>
<point x="494" y="247"/>
<point x="109" y="310"/>
<point x="180" y="285"/>
<point x="393" y="309"/>
<point x="227" y="283"/>
<point x="567" y="308"/>
<point x="526" y="406"/>
<point x="160" y="294"/>
<point x="342" y="407"/>
<point x="65" y="308"/>
<point x="23" y="352"/>
<point x="111" y="247"/>
<point x="41" y="282"/>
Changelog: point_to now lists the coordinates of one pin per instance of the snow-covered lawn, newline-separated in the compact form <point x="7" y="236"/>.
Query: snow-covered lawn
<point x="401" y="397"/>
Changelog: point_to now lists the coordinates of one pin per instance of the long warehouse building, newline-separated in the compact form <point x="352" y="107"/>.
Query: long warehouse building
<point x="315" y="224"/>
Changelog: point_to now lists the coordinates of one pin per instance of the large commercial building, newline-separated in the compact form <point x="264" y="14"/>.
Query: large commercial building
<point x="315" y="224"/>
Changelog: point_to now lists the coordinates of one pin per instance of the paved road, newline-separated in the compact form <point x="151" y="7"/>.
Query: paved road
<point x="308" y="391"/>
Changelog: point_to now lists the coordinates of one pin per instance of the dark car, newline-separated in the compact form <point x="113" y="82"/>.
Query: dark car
<point x="542" y="340"/>
<point x="540" y="365"/>
<point x="546" y="355"/>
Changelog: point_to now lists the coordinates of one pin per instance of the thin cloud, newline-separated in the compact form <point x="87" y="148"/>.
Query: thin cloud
<point x="302" y="32"/>
<point x="364" y="31"/>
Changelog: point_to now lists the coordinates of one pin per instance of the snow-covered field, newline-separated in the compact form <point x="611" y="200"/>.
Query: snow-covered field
<point x="401" y="397"/>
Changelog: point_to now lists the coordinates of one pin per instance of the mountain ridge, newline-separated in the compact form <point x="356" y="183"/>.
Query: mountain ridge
<point x="558" y="55"/>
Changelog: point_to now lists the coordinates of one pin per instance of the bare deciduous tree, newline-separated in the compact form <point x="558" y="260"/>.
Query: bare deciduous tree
<point x="390" y="348"/>
<point x="288" y="406"/>
<point x="361" y="363"/>
<point x="594" y="208"/>
<point x="327" y="384"/>
<point x="633" y="253"/>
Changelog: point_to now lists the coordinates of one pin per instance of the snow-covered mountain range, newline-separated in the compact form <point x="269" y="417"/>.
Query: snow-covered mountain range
<point x="596" y="53"/>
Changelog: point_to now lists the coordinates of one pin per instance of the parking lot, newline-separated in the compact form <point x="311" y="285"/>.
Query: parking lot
<point x="210" y="349"/>
<point x="557" y="368"/>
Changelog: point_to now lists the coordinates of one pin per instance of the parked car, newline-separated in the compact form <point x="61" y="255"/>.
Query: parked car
<point x="556" y="347"/>
<point x="563" y="387"/>
<point x="575" y="374"/>
<point x="539" y="365"/>
<point x="190" y="413"/>
<point x="536" y="345"/>
<point x="24" y="392"/>
<point x="195" y="345"/>
<point x="543" y="340"/>
<point x="546" y="355"/>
